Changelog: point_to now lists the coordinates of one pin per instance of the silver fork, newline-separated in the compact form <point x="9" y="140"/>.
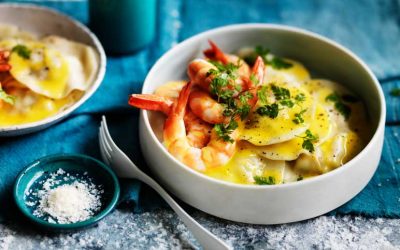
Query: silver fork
<point x="125" y="168"/>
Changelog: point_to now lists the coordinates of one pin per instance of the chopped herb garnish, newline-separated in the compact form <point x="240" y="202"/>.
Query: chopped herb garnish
<point x="280" y="93"/>
<point x="263" y="52"/>
<point x="395" y="92"/>
<point x="283" y="98"/>
<point x="308" y="141"/>
<point x="279" y="63"/>
<point x="298" y="117"/>
<point x="287" y="102"/>
<point x="254" y="79"/>
<point x="6" y="97"/>
<point x="339" y="105"/>
<point x="223" y="86"/>
<point x="245" y="96"/>
<point x="262" y="94"/>
<point x="223" y="131"/>
<point x="300" y="97"/>
<point x="275" y="62"/>
<point x="243" y="111"/>
<point x="300" y="178"/>
<point x="271" y="111"/>
<point x="261" y="180"/>
<point x="22" y="51"/>
<point x="223" y="82"/>
<point x="343" y="109"/>
<point x="334" y="97"/>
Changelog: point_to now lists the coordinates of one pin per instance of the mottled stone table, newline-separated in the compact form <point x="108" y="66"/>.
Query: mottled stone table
<point x="161" y="229"/>
<point x="357" y="25"/>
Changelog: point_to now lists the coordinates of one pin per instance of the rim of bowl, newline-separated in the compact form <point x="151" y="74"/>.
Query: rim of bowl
<point x="92" y="220"/>
<point x="262" y="26"/>
<point x="88" y="93"/>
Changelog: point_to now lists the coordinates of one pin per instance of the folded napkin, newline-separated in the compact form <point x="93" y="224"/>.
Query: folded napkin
<point x="179" y="19"/>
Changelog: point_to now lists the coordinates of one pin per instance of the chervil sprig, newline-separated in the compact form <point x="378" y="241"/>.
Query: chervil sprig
<point x="274" y="61"/>
<point x="261" y="180"/>
<point x="308" y="141"/>
<point x="22" y="51"/>
<point x="298" y="117"/>
<point x="339" y="104"/>
<point x="6" y="97"/>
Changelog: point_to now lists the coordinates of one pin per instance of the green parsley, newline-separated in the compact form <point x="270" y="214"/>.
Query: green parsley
<point x="243" y="109"/>
<point x="258" y="51"/>
<point x="223" y="86"/>
<point x="6" y="97"/>
<point x="223" y="82"/>
<point x="300" y="97"/>
<point x="283" y="98"/>
<point x="253" y="79"/>
<point x="395" y="92"/>
<point x="287" y="102"/>
<point x="334" y="97"/>
<point x="275" y="62"/>
<point x="261" y="180"/>
<point x="262" y="94"/>
<point x="280" y="93"/>
<point x="308" y="141"/>
<point x="22" y="51"/>
<point x="223" y="131"/>
<point x="339" y="105"/>
<point x="298" y="117"/>
<point x="271" y="110"/>
<point x="279" y="63"/>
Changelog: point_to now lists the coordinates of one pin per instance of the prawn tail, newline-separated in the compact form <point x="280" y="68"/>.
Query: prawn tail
<point x="215" y="53"/>
<point x="151" y="102"/>
<point x="258" y="73"/>
<point x="180" y="106"/>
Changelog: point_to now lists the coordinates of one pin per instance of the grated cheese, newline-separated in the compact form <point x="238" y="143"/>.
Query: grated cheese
<point x="75" y="201"/>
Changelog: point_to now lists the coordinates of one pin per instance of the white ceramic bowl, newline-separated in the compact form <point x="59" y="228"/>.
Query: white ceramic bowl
<point x="280" y="203"/>
<point x="43" y="21"/>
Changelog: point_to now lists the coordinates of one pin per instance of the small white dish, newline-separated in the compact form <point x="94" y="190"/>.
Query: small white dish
<point x="44" y="21"/>
<point x="278" y="203"/>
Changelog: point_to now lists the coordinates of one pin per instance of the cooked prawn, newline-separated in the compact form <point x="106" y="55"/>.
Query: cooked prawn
<point x="208" y="109"/>
<point x="216" y="54"/>
<point x="216" y="153"/>
<point x="4" y="66"/>
<point x="258" y="73"/>
<point x="151" y="102"/>
<point x="205" y="107"/>
<point x="198" y="72"/>
<point x="198" y="131"/>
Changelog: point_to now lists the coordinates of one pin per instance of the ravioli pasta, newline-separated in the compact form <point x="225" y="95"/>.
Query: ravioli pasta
<point x="274" y="147"/>
<point x="46" y="75"/>
<point x="300" y="128"/>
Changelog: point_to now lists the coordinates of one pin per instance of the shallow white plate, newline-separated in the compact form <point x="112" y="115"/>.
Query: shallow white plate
<point x="43" y="21"/>
<point x="278" y="203"/>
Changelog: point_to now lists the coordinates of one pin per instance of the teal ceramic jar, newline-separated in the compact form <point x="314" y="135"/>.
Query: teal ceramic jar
<point x="123" y="26"/>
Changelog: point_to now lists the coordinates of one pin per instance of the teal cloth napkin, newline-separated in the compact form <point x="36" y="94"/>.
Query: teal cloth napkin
<point x="356" y="24"/>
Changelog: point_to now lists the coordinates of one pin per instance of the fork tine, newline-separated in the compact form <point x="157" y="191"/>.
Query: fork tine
<point x="103" y="136"/>
<point x="107" y="135"/>
<point x="103" y="149"/>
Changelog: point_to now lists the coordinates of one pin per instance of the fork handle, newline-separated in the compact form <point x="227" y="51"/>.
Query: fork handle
<point x="205" y="237"/>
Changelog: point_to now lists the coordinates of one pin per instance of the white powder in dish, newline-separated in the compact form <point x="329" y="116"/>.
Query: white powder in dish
<point x="75" y="201"/>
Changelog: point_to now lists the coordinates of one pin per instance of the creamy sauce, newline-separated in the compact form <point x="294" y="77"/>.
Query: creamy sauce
<point x="47" y="75"/>
<point x="30" y="107"/>
<point x="272" y="148"/>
